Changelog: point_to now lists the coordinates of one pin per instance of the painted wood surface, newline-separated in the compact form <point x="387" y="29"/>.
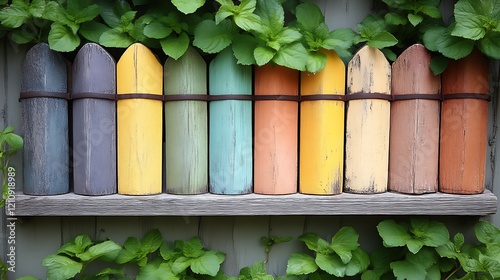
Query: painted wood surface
<point x="45" y="123"/>
<point x="230" y="127"/>
<point x="94" y="122"/>
<point x="139" y="123"/>
<point x="414" y="133"/>
<point x="464" y="126"/>
<point x="387" y="203"/>
<point x="275" y="130"/>
<point x="186" y="125"/>
<point x="322" y="130"/>
<point x="367" y="123"/>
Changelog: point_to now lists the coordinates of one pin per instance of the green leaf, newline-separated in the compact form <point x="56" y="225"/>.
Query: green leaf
<point x="271" y="14"/>
<point x="87" y="13"/>
<point x="132" y="244"/>
<point x="342" y="38"/>
<point x="473" y="19"/>
<point x="382" y="40"/>
<point x="181" y="264"/>
<point x="431" y="10"/>
<point x="92" y="30"/>
<point x="14" y="16"/>
<point x="62" y="39"/>
<point x="22" y="36"/>
<point x="193" y="248"/>
<point x="112" y="11"/>
<point x="300" y="264"/>
<point x="415" y="19"/>
<point x="212" y="37"/>
<point x="15" y="141"/>
<point x="431" y="233"/>
<point x="115" y="39"/>
<point x="61" y="267"/>
<point x="225" y="11"/>
<point x="157" y="272"/>
<point x="311" y="240"/>
<point x="263" y="55"/>
<point x="309" y="16"/>
<point x="288" y="36"/>
<point x="37" y="7"/>
<point x="157" y="30"/>
<point x="438" y="64"/>
<point x="188" y="6"/>
<point x="345" y="241"/>
<point x="408" y="270"/>
<point x="151" y="241"/>
<point x="359" y="262"/>
<point x="490" y="45"/>
<point x="293" y="56"/>
<point x="175" y="46"/>
<point x="331" y="264"/>
<point x="393" y="234"/>
<point x="454" y="47"/>
<point x="487" y="233"/>
<point x="206" y="264"/>
<point x="248" y="21"/>
<point x="125" y="256"/>
<point x="243" y="47"/>
<point x="431" y="35"/>
<point x="395" y="19"/>
<point x="101" y="249"/>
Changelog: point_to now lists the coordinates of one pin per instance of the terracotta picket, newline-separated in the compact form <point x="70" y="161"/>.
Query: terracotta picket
<point x="464" y="125"/>
<point x="186" y="125"/>
<point x="94" y="121"/>
<point x="414" y="133"/>
<point x="139" y="126"/>
<point x="322" y="129"/>
<point x="44" y="107"/>
<point x="276" y="130"/>
<point x="367" y="122"/>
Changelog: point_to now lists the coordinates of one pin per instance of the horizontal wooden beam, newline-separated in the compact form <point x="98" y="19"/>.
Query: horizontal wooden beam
<point x="255" y="204"/>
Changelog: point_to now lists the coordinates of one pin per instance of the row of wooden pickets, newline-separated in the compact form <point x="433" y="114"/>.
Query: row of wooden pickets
<point x="138" y="127"/>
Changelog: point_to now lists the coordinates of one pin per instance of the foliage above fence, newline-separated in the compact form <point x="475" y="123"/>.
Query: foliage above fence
<point x="286" y="32"/>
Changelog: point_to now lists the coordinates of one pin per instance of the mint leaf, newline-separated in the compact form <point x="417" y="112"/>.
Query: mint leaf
<point x="15" y="15"/>
<point x="431" y="10"/>
<point x="243" y="47"/>
<point x="92" y="30"/>
<point x="101" y="249"/>
<point x="316" y="62"/>
<point x="22" y="36"/>
<point x="263" y="55"/>
<point x="62" y="38"/>
<point x="358" y="263"/>
<point x="247" y="21"/>
<point x="382" y="40"/>
<point x="490" y="45"/>
<point x="395" y="19"/>
<point x="206" y="264"/>
<point x="188" y="6"/>
<point x="212" y="37"/>
<point x="393" y="234"/>
<point x="472" y="19"/>
<point x="345" y="241"/>
<point x="311" y="240"/>
<point x="87" y="14"/>
<point x="160" y="271"/>
<point x="61" y="267"/>
<point x="453" y="47"/>
<point x="331" y="264"/>
<point x="301" y="264"/>
<point x="431" y="35"/>
<point x="193" y="248"/>
<point x="175" y="46"/>
<point x="271" y="14"/>
<point x="431" y="233"/>
<point x="415" y="19"/>
<point x="157" y="30"/>
<point x="309" y="16"/>
<point x="115" y="39"/>
<point x="15" y="141"/>
<point x="151" y="241"/>
<point x="402" y="269"/>
<point x="111" y="11"/>
<point x="487" y="233"/>
<point x="293" y="56"/>
<point x="181" y="264"/>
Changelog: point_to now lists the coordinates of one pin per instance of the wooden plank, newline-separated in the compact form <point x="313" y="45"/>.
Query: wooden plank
<point x="275" y="130"/>
<point x="367" y="123"/>
<point x="94" y="122"/>
<point x="139" y="123"/>
<point x="186" y="127"/>
<point x="414" y="133"/>
<point x="230" y="127"/>
<point x="322" y="130"/>
<point x="45" y="123"/>
<point x="257" y="204"/>
<point x="464" y="126"/>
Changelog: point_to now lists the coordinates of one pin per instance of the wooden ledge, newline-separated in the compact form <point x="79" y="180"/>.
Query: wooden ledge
<point x="255" y="204"/>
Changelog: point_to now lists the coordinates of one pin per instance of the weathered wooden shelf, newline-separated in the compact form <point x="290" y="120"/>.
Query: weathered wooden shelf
<point x="255" y="204"/>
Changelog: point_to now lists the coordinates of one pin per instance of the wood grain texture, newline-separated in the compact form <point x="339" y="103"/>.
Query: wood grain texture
<point x="230" y="127"/>
<point x="464" y="126"/>
<point x="387" y="203"/>
<point x="367" y="123"/>
<point x="276" y="131"/>
<point x="139" y="123"/>
<point x="45" y="123"/>
<point x="94" y="122"/>
<point x="186" y="125"/>
<point x="414" y="134"/>
<point x="322" y="130"/>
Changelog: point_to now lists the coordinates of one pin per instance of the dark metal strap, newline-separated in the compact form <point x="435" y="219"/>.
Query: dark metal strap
<point x="185" y="97"/>
<point x="276" y="98"/>
<point x="314" y="97"/>
<point x="151" y="96"/>
<point x="93" y="95"/>
<point x="482" y="96"/>
<point x="52" y="94"/>
<point x="397" y="97"/>
<point x="368" y="95"/>
<point x="223" y="97"/>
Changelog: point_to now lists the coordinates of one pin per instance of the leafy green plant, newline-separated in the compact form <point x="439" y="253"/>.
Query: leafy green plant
<point x="22" y="21"/>
<point x="10" y="143"/>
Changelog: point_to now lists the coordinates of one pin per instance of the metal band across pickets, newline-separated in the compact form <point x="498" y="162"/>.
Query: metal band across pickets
<point x="314" y="97"/>
<point x="368" y="95"/>
<point x="276" y="98"/>
<point x="482" y="96"/>
<point x="397" y="97"/>
<point x="93" y="95"/>
<point x="185" y="97"/>
<point x="52" y="94"/>
<point x="150" y="96"/>
<point x="223" y="97"/>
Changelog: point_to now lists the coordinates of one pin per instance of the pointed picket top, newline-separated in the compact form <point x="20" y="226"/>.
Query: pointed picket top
<point x="414" y="136"/>
<point x="139" y="122"/>
<point x="464" y="126"/>
<point x="322" y="130"/>
<point x="186" y="125"/>
<point x="367" y="123"/>
<point x="94" y="121"/>
<point x="45" y="122"/>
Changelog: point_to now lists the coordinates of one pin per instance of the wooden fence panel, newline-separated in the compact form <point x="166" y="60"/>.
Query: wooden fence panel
<point x="230" y="126"/>
<point x="94" y="121"/>
<point x="322" y="129"/>
<point x="414" y="135"/>
<point x="367" y="122"/>
<point x="464" y="125"/>
<point x="139" y="122"/>
<point x="45" y="122"/>
<point x="186" y="125"/>
<point x="276" y="130"/>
